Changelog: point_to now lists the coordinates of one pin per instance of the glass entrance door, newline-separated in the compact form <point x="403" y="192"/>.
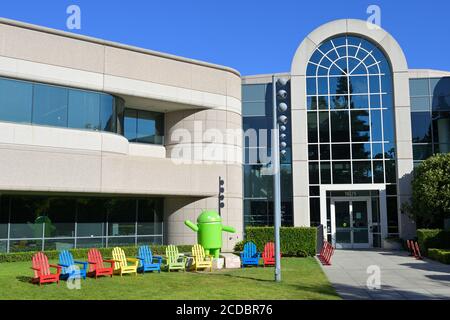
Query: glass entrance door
<point x="351" y="223"/>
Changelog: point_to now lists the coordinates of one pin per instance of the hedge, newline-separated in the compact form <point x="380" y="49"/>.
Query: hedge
<point x="294" y="241"/>
<point x="82" y="253"/>
<point x="439" y="255"/>
<point x="433" y="238"/>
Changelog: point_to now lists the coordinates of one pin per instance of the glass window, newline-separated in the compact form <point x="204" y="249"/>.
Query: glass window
<point x="28" y="215"/>
<point x="256" y="183"/>
<point x="388" y="126"/>
<point x="338" y="85"/>
<point x="312" y="127"/>
<point x="339" y="102"/>
<point x="342" y="172"/>
<point x="325" y="152"/>
<point x="314" y="173"/>
<point x="314" y="211"/>
<point x="418" y="87"/>
<point x="15" y="101"/>
<point x="422" y="151"/>
<point x="150" y="127"/>
<point x="254" y="108"/>
<point x="378" y="172"/>
<point x="421" y="127"/>
<point x="341" y="151"/>
<point x="311" y="103"/>
<point x="256" y="92"/>
<point x="359" y="84"/>
<point x="377" y="131"/>
<point x="324" y="127"/>
<point x="84" y="110"/>
<point x="144" y="126"/>
<point x="130" y="124"/>
<point x="391" y="175"/>
<point x="50" y="105"/>
<point x="420" y="103"/>
<point x="362" y="172"/>
<point x="441" y="127"/>
<point x="340" y="126"/>
<point x="361" y="151"/>
<point x="313" y="152"/>
<point x="121" y="217"/>
<point x="392" y="214"/>
<point x="377" y="150"/>
<point x="311" y="86"/>
<point x="360" y="126"/>
<point x="91" y="218"/>
<point x="60" y="218"/>
<point x="325" y="172"/>
<point x="4" y="217"/>
<point x="107" y="122"/>
<point x="359" y="102"/>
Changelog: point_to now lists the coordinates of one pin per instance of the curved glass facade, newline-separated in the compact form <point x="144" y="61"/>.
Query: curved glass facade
<point x="41" y="104"/>
<point x="351" y="137"/>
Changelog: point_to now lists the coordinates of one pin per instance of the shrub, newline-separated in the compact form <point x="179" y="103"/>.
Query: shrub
<point x="439" y="255"/>
<point x="82" y="253"/>
<point x="430" y="203"/>
<point x="294" y="241"/>
<point x="433" y="238"/>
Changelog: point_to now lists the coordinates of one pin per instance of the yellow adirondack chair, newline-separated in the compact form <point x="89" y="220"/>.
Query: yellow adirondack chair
<point x="122" y="263"/>
<point x="201" y="261"/>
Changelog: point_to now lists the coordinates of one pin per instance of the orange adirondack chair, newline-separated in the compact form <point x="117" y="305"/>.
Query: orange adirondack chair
<point x="41" y="269"/>
<point x="96" y="264"/>
<point x="269" y="254"/>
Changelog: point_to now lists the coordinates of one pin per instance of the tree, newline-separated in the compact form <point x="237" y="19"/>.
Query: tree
<point x="430" y="203"/>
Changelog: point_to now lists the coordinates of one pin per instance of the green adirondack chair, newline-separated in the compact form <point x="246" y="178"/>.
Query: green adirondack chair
<point x="174" y="260"/>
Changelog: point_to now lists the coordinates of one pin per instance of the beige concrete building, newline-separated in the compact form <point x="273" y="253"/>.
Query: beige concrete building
<point x="102" y="143"/>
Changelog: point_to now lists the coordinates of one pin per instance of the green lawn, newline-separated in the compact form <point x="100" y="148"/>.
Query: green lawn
<point x="302" y="279"/>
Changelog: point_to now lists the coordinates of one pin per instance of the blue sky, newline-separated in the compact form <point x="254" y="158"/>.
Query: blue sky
<point x="252" y="36"/>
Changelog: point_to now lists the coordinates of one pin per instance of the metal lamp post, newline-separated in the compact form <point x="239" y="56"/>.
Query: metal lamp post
<point x="279" y="124"/>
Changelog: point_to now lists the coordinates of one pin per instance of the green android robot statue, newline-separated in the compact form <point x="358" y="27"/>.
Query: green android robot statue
<point x="209" y="231"/>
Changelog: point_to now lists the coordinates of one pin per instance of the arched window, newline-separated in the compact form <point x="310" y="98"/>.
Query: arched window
<point x="350" y="113"/>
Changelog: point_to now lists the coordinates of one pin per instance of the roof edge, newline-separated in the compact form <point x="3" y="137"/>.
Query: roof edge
<point x="66" y="34"/>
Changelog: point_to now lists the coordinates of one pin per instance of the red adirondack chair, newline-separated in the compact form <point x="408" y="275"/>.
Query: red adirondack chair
<point x="96" y="264"/>
<point x="41" y="269"/>
<point x="269" y="254"/>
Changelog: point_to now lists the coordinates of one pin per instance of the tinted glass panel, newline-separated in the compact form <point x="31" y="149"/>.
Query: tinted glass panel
<point x="84" y="110"/>
<point x="341" y="172"/>
<point x="15" y="101"/>
<point x="50" y="106"/>
<point x="340" y="126"/>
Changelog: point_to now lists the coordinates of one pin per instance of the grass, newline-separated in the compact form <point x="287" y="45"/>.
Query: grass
<point x="302" y="279"/>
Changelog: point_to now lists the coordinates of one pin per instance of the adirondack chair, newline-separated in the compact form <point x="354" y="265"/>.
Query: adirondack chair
<point x="201" y="261"/>
<point x="250" y="256"/>
<point x="96" y="264"/>
<point x="269" y="254"/>
<point x="174" y="260"/>
<point x="124" y="265"/>
<point x="147" y="261"/>
<point x="68" y="266"/>
<point x="41" y="269"/>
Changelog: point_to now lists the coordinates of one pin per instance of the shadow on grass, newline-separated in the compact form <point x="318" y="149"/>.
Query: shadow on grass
<point x="230" y="275"/>
<point x="24" y="279"/>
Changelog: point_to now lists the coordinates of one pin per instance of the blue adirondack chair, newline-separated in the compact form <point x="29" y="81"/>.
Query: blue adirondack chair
<point x="250" y="256"/>
<point x="68" y="266"/>
<point x="147" y="261"/>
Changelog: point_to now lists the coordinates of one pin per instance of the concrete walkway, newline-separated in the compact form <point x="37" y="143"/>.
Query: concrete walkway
<point x="402" y="277"/>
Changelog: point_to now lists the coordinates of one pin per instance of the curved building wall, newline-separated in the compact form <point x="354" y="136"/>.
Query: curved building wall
<point x="53" y="160"/>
